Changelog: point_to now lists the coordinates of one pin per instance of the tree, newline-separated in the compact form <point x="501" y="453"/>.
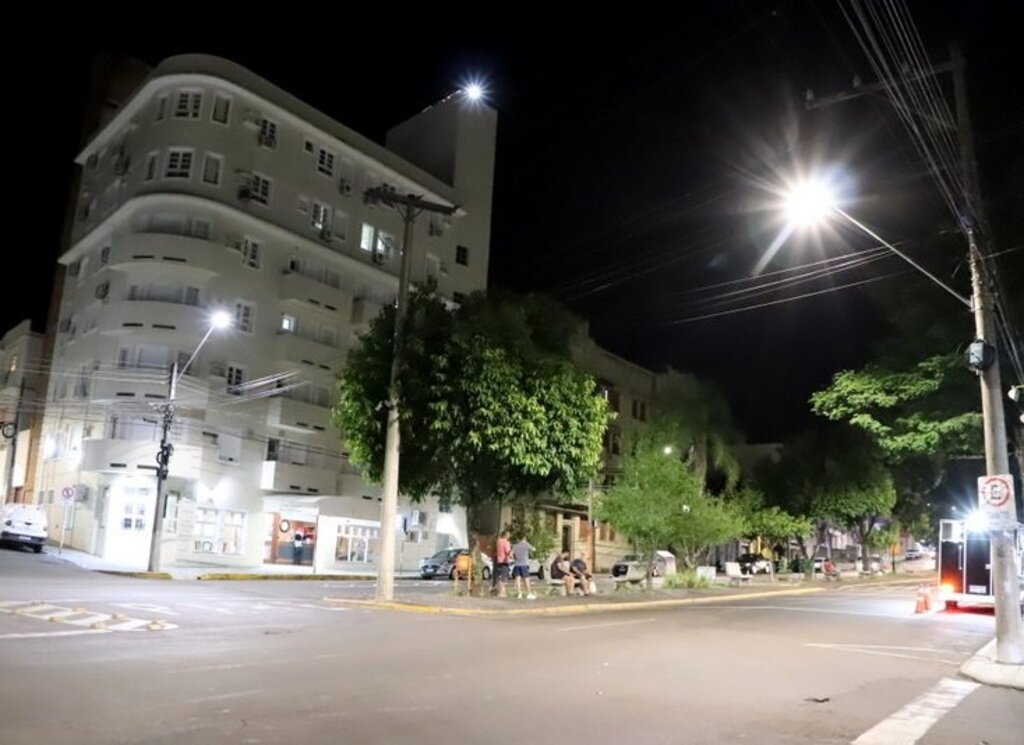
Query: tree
<point x="658" y="500"/>
<point x="491" y="403"/>
<point x="771" y="523"/>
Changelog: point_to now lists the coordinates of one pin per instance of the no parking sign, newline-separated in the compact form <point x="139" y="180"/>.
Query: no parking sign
<point x="995" y="499"/>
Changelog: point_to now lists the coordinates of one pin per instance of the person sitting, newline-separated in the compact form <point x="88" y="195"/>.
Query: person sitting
<point x="560" y="570"/>
<point x="583" y="578"/>
<point x="830" y="570"/>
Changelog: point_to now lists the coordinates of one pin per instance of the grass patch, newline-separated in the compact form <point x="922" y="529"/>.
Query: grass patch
<point x="689" y="580"/>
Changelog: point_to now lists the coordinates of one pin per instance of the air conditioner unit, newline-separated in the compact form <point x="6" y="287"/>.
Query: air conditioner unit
<point x="345" y="188"/>
<point x="102" y="290"/>
<point x="244" y="193"/>
<point x="233" y="241"/>
<point x="218" y="370"/>
<point x="326" y="234"/>
<point x="121" y="165"/>
<point x="379" y="257"/>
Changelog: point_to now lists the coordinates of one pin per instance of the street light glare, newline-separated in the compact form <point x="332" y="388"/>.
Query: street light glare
<point x="977" y="522"/>
<point x="220" y="320"/>
<point x="474" y="91"/>
<point x="809" y="203"/>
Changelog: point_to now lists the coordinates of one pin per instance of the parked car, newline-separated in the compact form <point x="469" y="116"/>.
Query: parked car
<point x="918" y="552"/>
<point x="441" y="564"/>
<point x="536" y="567"/>
<point x="754" y="564"/>
<point x="23" y="525"/>
<point x="633" y="564"/>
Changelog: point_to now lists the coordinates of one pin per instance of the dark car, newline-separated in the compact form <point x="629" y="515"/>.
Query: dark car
<point x="441" y="564"/>
<point x="754" y="564"/>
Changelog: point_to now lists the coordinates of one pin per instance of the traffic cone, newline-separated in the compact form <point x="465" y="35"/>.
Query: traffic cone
<point x="920" y="608"/>
<point x="927" y="597"/>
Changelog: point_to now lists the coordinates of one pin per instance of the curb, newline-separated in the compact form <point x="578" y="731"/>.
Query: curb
<point x="563" y="610"/>
<point x="294" y="577"/>
<point x="983" y="668"/>
<point x="137" y="575"/>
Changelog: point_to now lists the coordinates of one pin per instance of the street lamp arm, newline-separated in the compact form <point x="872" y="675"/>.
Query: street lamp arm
<point x="177" y="376"/>
<point x="966" y="301"/>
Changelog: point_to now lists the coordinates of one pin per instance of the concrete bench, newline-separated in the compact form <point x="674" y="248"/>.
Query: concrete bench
<point x="735" y="575"/>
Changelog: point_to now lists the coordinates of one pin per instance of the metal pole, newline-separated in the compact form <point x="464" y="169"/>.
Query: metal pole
<point x="591" y="542"/>
<point x="392" y="443"/>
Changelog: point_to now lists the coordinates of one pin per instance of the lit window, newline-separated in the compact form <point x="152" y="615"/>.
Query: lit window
<point x="288" y="323"/>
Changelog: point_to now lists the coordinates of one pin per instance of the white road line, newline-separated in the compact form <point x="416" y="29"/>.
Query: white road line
<point x="865" y="649"/>
<point x="909" y="724"/>
<point x="224" y="696"/>
<point x="605" y="625"/>
<point x="802" y="609"/>
<point x="43" y="634"/>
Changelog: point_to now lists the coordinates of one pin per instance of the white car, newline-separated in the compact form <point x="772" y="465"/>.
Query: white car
<point x="23" y="525"/>
<point x="536" y="567"/>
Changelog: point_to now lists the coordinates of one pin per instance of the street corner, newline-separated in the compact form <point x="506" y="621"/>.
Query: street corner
<point x="984" y="668"/>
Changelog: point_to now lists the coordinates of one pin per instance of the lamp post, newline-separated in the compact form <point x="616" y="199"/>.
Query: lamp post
<point x="219" y="320"/>
<point x="812" y="201"/>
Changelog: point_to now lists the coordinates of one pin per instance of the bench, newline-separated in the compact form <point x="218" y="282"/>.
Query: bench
<point x="735" y="575"/>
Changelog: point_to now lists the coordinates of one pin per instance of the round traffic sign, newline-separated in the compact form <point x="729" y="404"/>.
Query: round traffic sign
<point x="995" y="491"/>
<point x="67" y="493"/>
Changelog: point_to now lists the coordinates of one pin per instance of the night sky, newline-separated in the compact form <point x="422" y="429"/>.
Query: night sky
<point x="633" y="151"/>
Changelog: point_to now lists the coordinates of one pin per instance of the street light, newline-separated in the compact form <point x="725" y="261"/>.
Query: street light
<point x="219" y="320"/>
<point x="811" y="201"/>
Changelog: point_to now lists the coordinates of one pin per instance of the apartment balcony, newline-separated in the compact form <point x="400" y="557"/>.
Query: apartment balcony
<point x="290" y="347"/>
<point x="138" y="457"/>
<point x="147" y="384"/>
<point x="295" y="478"/>
<point x="171" y="256"/>
<point x="311" y="291"/>
<point x="134" y="316"/>
<point x="297" y="416"/>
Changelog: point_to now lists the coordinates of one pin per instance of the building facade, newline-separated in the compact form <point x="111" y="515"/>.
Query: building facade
<point x="21" y="376"/>
<point x="211" y="189"/>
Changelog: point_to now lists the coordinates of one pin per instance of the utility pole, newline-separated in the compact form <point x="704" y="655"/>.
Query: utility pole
<point x="1009" y="634"/>
<point x="1005" y="589"/>
<point x="409" y="206"/>
<point x="163" y="460"/>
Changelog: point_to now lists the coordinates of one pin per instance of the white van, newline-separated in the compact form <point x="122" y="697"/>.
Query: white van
<point x="24" y="525"/>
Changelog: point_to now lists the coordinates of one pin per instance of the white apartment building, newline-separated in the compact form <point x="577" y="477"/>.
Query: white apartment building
<point x="212" y="189"/>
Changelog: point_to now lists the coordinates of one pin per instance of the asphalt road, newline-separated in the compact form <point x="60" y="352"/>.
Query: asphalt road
<point x="272" y="662"/>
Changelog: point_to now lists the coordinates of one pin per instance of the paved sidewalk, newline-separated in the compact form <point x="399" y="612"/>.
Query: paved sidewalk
<point x="196" y="571"/>
<point x="983" y="668"/>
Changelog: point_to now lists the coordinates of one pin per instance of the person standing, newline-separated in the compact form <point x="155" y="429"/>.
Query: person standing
<point x="521" y="569"/>
<point x="297" y="544"/>
<point x="502" y="558"/>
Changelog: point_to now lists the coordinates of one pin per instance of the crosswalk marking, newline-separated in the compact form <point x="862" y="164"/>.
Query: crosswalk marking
<point x="909" y="724"/>
<point x="91" y="621"/>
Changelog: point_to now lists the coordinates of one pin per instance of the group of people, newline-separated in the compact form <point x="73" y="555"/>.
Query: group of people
<point x="514" y="559"/>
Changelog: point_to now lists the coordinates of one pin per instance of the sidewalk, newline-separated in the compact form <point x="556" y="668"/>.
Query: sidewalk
<point x="211" y="571"/>
<point x="983" y="668"/>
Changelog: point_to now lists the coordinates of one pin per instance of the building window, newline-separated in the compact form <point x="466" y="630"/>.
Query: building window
<point x="221" y="109"/>
<point x="218" y="531"/>
<point x="462" y="255"/>
<point x="243" y="316"/>
<point x="377" y="242"/>
<point x="161" y="108"/>
<point x="325" y="161"/>
<point x="320" y="217"/>
<point x="151" y="161"/>
<point x="268" y="133"/>
<point x="179" y="163"/>
<point x="235" y="376"/>
<point x="259" y="189"/>
<point x="309" y="147"/>
<point x="288" y="323"/>
<point x="188" y="104"/>
<point x="104" y="255"/>
<point x="13" y="367"/>
<point x="640" y="410"/>
<point x="250" y="253"/>
<point x="212" y="165"/>
<point x="358" y="541"/>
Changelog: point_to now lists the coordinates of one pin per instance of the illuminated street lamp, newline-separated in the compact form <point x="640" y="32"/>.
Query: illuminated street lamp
<point x="219" y="320"/>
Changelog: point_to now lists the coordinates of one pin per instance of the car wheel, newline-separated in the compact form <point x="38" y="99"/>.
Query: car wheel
<point x="38" y="549"/>
<point x="540" y="574"/>
<point x="485" y="573"/>
<point x="952" y="605"/>
<point x="453" y="574"/>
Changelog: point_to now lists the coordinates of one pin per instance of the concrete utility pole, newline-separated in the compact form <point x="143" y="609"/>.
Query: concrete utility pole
<point x="409" y="206"/>
<point x="1009" y="634"/>
<point x="163" y="461"/>
<point x="1009" y="637"/>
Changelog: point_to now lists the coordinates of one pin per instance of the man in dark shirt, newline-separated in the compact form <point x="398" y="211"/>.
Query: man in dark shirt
<point x="578" y="568"/>
<point x="560" y="569"/>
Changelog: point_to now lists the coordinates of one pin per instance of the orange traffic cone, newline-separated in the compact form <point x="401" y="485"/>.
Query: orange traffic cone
<point x="920" y="608"/>
<point x="927" y="597"/>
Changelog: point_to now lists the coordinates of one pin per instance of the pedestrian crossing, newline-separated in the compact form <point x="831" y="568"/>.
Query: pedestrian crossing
<point x="81" y="617"/>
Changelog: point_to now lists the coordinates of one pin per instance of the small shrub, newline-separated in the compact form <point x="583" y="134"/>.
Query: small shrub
<point x="688" y="579"/>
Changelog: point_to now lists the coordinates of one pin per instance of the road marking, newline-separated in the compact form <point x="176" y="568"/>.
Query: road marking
<point x="909" y="724"/>
<point x="877" y="650"/>
<point x="81" y="617"/>
<point x="43" y="634"/>
<point x="800" y="609"/>
<point x="223" y="696"/>
<point x="605" y="625"/>
<point x="158" y="610"/>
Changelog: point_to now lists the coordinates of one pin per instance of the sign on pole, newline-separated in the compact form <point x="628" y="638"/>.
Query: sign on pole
<point x="996" y="500"/>
<point x="68" y="494"/>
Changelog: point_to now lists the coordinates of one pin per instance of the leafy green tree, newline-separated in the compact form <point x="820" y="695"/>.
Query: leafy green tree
<point x="771" y="523"/>
<point x="658" y="500"/>
<point x="492" y="405"/>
